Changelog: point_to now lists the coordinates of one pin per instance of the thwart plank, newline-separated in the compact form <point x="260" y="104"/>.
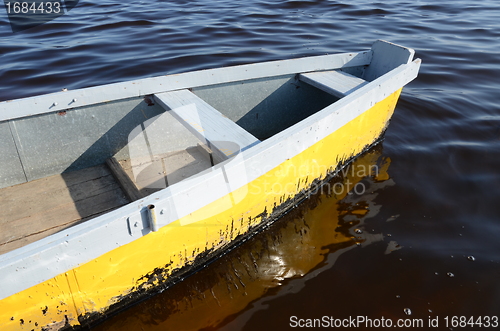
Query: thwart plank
<point x="335" y="82"/>
<point x="224" y="137"/>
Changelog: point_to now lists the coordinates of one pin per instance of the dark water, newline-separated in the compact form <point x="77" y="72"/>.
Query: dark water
<point x="435" y="206"/>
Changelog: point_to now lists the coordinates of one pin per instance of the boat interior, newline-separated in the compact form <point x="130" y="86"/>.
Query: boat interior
<point x="62" y="168"/>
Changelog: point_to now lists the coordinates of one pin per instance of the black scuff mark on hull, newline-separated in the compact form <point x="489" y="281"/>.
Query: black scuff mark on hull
<point x="232" y="229"/>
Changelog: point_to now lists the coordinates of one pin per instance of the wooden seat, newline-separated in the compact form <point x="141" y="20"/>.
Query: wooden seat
<point x="335" y="82"/>
<point x="224" y="137"/>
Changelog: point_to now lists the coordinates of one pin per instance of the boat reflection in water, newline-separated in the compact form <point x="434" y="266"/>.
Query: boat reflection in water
<point x="278" y="261"/>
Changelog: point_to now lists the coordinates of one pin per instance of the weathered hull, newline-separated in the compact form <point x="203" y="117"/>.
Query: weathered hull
<point x="131" y="270"/>
<point x="291" y="252"/>
<point x="278" y="172"/>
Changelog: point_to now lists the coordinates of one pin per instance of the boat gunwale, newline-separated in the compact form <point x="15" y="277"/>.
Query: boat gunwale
<point x="72" y="99"/>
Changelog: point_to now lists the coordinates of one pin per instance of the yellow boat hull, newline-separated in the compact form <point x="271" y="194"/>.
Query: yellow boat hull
<point x="96" y="288"/>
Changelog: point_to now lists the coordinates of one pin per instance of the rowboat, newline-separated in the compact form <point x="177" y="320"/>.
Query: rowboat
<point x="110" y="194"/>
